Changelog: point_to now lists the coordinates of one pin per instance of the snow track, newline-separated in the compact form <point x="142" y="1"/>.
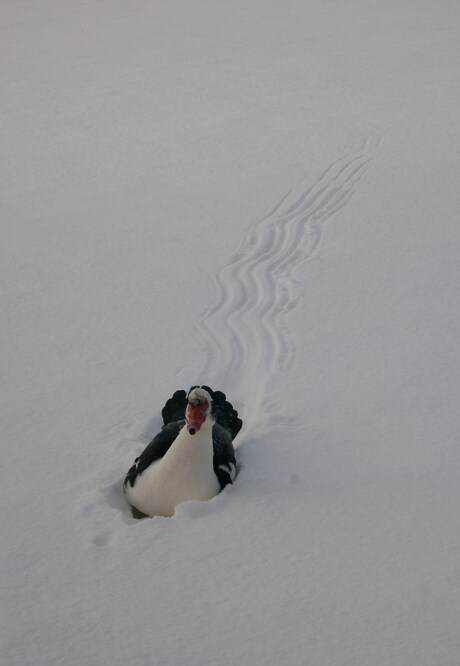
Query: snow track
<point x="246" y="329"/>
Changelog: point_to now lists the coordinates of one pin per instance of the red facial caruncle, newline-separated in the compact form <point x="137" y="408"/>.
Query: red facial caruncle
<point x="196" y="416"/>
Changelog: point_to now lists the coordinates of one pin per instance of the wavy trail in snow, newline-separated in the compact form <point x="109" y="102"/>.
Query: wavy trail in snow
<point x="247" y="338"/>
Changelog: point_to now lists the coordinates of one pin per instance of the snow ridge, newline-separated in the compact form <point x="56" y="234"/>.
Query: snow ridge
<point x="246" y="328"/>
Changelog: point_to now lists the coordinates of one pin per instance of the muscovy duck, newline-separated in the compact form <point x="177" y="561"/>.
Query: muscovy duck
<point x="191" y="458"/>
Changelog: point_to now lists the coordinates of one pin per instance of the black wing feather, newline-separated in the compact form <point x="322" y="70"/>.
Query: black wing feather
<point x="224" y="454"/>
<point x="154" y="451"/>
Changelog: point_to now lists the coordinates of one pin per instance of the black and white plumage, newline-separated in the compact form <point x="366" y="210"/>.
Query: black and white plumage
<point x="191" y="458"/>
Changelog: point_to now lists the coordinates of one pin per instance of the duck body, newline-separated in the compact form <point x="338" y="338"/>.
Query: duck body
<point x="191" y="458"/>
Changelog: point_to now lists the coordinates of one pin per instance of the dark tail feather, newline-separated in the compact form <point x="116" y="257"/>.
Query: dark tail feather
<point x="174" y="409"/>
<point x="224" y="413"/>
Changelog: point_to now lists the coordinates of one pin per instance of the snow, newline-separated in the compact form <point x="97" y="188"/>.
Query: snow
<point x="261" y="197"/>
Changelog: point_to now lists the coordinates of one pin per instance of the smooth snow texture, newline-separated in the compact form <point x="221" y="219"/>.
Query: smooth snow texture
<point x="263" y="198"/>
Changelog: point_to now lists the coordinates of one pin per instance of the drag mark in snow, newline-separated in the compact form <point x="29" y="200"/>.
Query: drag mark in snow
<point x="247" y="337"/>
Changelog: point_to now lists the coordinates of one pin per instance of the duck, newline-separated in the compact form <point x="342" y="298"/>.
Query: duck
<point x="191" y="458"/>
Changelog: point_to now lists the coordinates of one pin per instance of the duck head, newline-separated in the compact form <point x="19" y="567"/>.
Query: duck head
<point x="198" y="410"/>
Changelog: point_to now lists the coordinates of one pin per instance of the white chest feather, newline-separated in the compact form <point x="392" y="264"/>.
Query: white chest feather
<point x="184" y="473"/>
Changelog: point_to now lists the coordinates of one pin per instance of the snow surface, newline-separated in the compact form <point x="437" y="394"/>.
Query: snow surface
<point x="261" y="196"/>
